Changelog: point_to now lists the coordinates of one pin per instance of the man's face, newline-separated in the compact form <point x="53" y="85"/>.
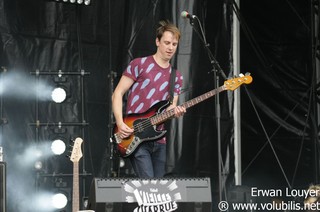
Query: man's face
<point x="167" y="45"/>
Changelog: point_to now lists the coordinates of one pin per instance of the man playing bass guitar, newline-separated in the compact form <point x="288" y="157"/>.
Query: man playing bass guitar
<point x="147" y="81"/>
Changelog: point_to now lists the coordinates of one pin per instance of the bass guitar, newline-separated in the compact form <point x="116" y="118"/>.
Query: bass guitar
<point x="144" y="124"/>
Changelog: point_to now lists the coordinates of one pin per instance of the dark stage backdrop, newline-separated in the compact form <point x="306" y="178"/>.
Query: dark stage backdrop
<point x="95" y="43"/>
<point x="92" y="45"/>
<point x="279" y="116"/>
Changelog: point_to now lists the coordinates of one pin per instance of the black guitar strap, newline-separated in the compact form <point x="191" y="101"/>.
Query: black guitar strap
<point x="172" y="78"/>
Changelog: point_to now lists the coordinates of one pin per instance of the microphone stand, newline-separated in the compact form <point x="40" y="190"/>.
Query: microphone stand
<point x="215" y="69"/>
<point x="112" y="172"/>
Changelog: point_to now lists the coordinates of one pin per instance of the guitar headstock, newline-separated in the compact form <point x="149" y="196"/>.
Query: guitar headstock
<point x="76" y="153"/>
<point x="234" y="83"/>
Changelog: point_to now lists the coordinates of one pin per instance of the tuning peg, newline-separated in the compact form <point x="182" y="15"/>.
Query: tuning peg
<point x="69" y="152"/>
<point x="248" y="73"/>
<point x="71" y="140"/>
<point x="241" y="75"/>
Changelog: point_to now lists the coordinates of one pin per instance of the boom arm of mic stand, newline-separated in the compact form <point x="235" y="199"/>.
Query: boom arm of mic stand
<point x="202" y="37"/>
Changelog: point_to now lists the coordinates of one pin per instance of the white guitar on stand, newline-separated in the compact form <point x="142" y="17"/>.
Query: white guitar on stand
<point x="75" y="157"/>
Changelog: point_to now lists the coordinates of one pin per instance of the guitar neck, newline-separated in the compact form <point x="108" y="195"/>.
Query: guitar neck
<point x="202" y="97"/>
<point x="75" y="192"/>
<point x="162" y="117"/>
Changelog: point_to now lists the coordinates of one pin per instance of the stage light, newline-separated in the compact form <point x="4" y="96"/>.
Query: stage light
<point x="38" y="165"/>
<point x="58" y="95"/>
<point x="58" y="147"/>
<point x="59" y="200"/>
<point x="85" y="2"/>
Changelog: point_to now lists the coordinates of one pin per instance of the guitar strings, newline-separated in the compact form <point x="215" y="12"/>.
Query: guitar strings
<point x="139" y="127"/>
<point x="147" y="123"/>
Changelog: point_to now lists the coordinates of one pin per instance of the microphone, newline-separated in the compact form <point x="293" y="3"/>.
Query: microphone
<point x="185" y="14"/>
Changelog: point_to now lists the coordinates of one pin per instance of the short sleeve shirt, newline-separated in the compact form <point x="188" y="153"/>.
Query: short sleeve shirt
<point x="151" y="84"/>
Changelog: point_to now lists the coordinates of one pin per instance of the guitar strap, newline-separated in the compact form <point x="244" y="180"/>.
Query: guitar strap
<point x="172" y="78"/>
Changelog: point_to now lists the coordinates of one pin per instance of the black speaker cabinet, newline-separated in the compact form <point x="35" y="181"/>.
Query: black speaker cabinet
<point x="162" y="194"/>
<point x="3" y="184"/>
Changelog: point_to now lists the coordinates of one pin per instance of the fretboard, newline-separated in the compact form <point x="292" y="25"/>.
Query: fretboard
<point x="162" y="117"/>
<point x="75" y="193"/>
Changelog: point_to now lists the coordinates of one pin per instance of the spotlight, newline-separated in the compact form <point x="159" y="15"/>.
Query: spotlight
<point x="58" y="147"/>
<point x="85" y="2"/>
<point x="59" y="200"/>
<point x="58" y="95"/>
<point x="38" y="165"/>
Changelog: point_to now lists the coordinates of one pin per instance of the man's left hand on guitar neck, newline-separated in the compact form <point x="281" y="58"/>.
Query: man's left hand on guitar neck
<point x="178" y="110"/>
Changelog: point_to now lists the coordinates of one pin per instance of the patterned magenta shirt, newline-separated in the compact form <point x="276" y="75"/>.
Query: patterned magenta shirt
<point x="150" y="87"/>
<point x="151" y="84"/>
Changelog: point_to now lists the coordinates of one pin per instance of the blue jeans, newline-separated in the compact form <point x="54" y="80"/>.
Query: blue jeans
<point x="149" y="160"/>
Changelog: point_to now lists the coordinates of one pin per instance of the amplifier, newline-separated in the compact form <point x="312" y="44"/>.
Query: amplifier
<point x="160" y="194"/>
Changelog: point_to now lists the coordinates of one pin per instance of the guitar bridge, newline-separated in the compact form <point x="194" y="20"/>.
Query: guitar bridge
<point x="116" y="138"/>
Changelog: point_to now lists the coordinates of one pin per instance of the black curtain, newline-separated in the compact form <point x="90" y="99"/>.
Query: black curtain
<point x="279" y="118"/>
<point x="279" y="115"/>
<point x="40" y="38"/>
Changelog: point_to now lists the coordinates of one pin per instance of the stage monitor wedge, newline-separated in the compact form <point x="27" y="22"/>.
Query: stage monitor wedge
<point x="161" y="194"/>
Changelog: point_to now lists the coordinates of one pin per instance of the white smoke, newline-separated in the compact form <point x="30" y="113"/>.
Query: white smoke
<point x="15" y="84"/>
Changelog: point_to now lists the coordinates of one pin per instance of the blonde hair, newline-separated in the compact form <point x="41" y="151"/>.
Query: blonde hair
<point x="167" y="26"/>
